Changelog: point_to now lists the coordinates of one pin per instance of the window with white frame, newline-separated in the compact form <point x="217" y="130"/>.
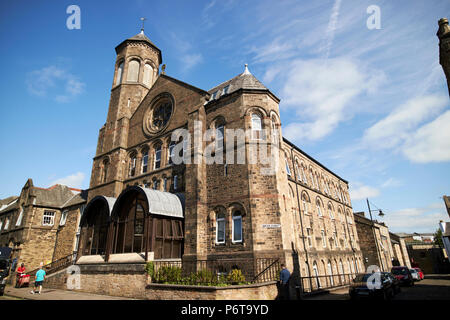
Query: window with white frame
<point x="309" y="237"/>
<point x="219" y="137"/>
<point x="132" y="165"/>
<point x="48" y="218"/>
<point x="288" y="171"/>
<point x="237" y="227"/>
<point x="145" y="162"/>
<point x="220" y="228"/>
<point x="171" y="154"/>
<point x="256" y="127"/>
<point x="19" y="218"/>
<point x="6" y="223"/>
<point x="157" y="162"/>
<point x="63" y="218"/>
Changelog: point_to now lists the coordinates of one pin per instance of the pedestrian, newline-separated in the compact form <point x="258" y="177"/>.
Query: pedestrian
<point x="20" y="273"/>
<point x="284" y="282"/>
<point x="40" y="276"/>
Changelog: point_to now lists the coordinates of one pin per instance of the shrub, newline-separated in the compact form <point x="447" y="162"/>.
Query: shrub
<point x="150" y="269"/>
<point x="236" y="276"/>
<point x="169" y="274"/>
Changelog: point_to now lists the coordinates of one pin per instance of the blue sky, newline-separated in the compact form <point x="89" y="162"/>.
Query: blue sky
<point x="370" y="104"/>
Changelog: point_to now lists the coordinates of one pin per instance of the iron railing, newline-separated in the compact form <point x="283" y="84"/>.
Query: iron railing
<point x="56" y="265"/>
<point x="216" y="272"/>
<point x="323" y="282"/>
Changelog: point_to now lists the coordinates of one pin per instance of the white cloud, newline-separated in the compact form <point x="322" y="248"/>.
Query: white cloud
<point x="431" y="142"/>
<point x="74" y="180"/>
<point x="191" y="60"/>
<point x="398" y="125"/>
<point x="332" y="25"/>
<point x="52" y="79"/>
<point x="321" y="92"/>
<point x="362" y="192"/>
<point x="391" y="182"/>
<point x="425" y="219"/>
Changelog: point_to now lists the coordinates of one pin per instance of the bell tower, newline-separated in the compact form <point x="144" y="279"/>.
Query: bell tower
<point x="135" y="71"/>
<point x="444" y="48"/>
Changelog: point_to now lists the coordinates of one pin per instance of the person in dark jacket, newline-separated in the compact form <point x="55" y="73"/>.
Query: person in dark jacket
<point x="284" y="282"/>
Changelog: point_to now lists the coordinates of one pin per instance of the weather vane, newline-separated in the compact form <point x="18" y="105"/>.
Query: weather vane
<point x="143" y="20"/>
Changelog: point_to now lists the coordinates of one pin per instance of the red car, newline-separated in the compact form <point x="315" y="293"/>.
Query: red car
<point x="420" y="272"/>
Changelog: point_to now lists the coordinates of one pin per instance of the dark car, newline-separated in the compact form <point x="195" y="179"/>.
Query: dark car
<point x="372" y="285"/>
<point x="5" y="264"/>
<point x="395" y="282"/>
<point x="404" y="275"/>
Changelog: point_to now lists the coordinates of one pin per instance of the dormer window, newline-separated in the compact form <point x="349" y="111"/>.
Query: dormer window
<point x="225" y="90"/>
<point x="214" y="95"/>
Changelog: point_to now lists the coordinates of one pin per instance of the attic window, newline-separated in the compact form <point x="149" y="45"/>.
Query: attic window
<point x="225" y="90"/>
<point x="214" y="95"/>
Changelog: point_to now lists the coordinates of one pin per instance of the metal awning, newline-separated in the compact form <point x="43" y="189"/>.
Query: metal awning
<point x="163" y="203"/>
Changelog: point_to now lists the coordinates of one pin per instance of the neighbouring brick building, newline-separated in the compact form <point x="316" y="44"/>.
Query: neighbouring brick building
<point x="143" y="205"/>
<point x="41" y="224"/>
<point x="379" y="246"/>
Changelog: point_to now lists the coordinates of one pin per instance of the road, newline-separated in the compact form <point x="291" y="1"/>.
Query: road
<point x="433" y="288"/>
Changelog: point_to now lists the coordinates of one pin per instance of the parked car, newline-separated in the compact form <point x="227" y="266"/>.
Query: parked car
<point x="364" y="286"/>
<point x="403" y="274"/>
<point x="5" y="264"/>
<point x="414" y="274"/>
<point x="395" y="282"/>
<point x="421" y="275"/>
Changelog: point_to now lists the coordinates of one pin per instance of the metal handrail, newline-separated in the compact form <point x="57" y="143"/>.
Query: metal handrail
<point x="56" y="265"/>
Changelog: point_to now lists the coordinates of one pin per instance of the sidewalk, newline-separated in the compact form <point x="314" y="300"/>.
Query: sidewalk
<point x="56" y="294"/>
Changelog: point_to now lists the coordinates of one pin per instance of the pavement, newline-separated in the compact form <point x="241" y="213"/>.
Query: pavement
<point x="12" y="293"/>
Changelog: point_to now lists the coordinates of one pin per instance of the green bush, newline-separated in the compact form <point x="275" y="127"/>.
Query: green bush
<point x="169" y="274"/>
<point x="236" y="277"/>
<point x="150" y="269"/>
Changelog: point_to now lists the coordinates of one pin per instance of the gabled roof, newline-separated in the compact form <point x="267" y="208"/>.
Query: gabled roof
<point x="55" y="196"/>
<point x="245" y="81"/>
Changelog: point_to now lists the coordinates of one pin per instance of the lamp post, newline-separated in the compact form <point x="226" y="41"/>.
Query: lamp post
<point x="380" y="213"/>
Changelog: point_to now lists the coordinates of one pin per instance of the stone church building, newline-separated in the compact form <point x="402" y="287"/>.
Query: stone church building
<point x="142" y="205"/>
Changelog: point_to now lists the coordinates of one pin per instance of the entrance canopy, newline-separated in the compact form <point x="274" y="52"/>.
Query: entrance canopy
<point x="159" y="202"/>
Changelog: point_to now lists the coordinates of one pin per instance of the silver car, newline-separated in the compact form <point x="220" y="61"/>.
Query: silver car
<point x="415" y="274"/>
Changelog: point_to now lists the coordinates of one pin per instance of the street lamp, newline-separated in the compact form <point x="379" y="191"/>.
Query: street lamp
<point x="381" y="214"/>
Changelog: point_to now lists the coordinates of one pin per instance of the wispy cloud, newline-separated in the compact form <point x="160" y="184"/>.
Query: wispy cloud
<point x="74" y="180"/>
<point x="332" y="26"/>
<point x="359" y="191"/>
<point x="54" y="81"/>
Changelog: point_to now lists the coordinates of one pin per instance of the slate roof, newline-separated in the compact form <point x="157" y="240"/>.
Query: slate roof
<point x="245" y="80"/>
<point x="141" y="37"/>
<point x="78" y="198"/>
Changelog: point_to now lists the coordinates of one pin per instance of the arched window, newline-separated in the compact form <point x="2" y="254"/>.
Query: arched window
<point x="144" y="164"/>
<point x="171" y="153"/>
<point x="288" y="170"/>
<point x="330" y="272"/>
<point x="104" y="175"/>
<point x="175" y="182"/>
<point x="132" y="169"/>
<point x="275" y="136"/>
<point x="119" y="73"/>
<point x="324" y="238"/>
<point x="157" y="158"/>
<point x="220" y="227"/>
<point x="237" y="227"/>
<point x="316" y="275"/>
<point x="299" y="174"/>
<point x="319" y="208"/>
<point x="165" y="184"/>
<point x="133" y="71"/>
<point x="305" y="202"/>
<point x="220" y="134"/>
<point x="148" y="75"/>
<point x="256" y="127"/>
<point x="304" y="175"/>
<point x="330" y="211"/>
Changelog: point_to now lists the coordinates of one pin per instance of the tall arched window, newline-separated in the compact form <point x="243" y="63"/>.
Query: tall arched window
<point x="304" y="175"/>
<point x="220" y="227"/>
<point x="104" y="176"/>
<point x="237" y="227"/>
<point x="330" y="211"/>
<point x="330" y="272"/>
<point x="275" y="136"/>
<point x="148" y="75"/>
<point x="288" y="170"/>
<point x="256" y="127"/>
<point x="157" y="158"/>
<point x="144" y="164"/>
<point x="133" y="71"/>
<point x="132" y="169"/>
<point x="316" y="275"/>
<point x="171" y="153"/>
<point x="220" y="134"/>
<point x="119" y="73"/>
<point x="319" y="208"/>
